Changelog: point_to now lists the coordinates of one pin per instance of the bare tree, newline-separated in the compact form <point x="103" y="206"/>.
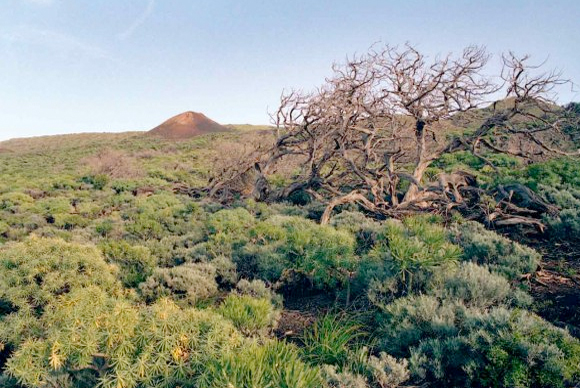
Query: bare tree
<point x="384" y="117"/>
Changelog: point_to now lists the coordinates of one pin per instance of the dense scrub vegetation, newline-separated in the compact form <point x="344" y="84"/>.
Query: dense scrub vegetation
<point x="110" y="277"/>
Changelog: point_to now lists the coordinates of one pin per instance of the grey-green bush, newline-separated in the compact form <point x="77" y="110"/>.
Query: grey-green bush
<point x="485" y="247"/>
<point x="186" y="284"/>
<point x="451" y="345"/>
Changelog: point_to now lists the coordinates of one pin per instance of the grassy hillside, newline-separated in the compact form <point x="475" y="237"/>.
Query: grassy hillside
<point x="109" y="278"/>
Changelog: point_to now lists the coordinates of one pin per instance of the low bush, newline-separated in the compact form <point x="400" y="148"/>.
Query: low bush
<point x="186" y="284"/>
<point x="90" y="336"/>
<point x="325" y="255"/>
<point x="450" y="344"/>
<point x="407" y="253"/>
<point x="249" y="315"/>
<point x="474" y="285"/>
<point x="258" y="289"/>
<point x="135" y="262"/>
<point x="500" y="254"/>
<point x="37" y="271"/>
<point x="363" y="228"/>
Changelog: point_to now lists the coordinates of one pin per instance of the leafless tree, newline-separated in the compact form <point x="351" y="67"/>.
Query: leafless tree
<point x="385" y="117"/>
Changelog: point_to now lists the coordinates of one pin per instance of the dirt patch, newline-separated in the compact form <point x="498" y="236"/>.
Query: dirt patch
<point x="300" y="312"/>
<point x="556" y="286"/>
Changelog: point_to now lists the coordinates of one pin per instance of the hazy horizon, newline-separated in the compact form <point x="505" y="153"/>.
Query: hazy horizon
<point x="69" y="67"/>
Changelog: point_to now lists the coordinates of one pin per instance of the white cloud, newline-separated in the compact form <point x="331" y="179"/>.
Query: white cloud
<point x="59" y="42"/>
<point x="130" y="30"/>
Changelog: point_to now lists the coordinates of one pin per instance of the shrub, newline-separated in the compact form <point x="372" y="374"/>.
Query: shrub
<point x="249" y="315"/>
<point x="450" y="344"/>
<point x="322" y="253"/>
<point x="161" y="215"/>
<point x="226" y="271"/>
<point x="409" y="252"/>
<point x="387" y="371"/>
<point x="342" y="379"/>
<point x="104" y="228"/>
<point x="70" y="221"/>
<point x="124" y="345"/>
<point x="499" y="253"/>
<point x="35" y="272"/>
<point x="98" y="181"/>
<point x="186" y="284"/>
<point x="363" y="228"/>
<point x="566" y="225"/>
<point x="258" y="289"/>
<point x="472" y="285"/>
<point x="4" y="228"/>
<point x="135" y="262"/>
<point x="175" y="250"/>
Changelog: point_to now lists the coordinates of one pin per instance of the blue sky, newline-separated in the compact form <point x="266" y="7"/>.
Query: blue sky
<point x="120" y="65"/>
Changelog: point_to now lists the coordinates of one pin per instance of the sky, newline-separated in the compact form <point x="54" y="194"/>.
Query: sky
<point x="123" y="65"/>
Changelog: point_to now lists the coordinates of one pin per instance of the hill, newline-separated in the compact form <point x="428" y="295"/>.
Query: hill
<point x="187" y="125"/>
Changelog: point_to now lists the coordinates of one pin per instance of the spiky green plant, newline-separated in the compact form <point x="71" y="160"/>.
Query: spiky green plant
<point x="330" y="340"/>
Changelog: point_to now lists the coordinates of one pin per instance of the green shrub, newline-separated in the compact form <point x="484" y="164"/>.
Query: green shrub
<point x="363" y="228"/>
<point x="125" y="345"/>
<point x="407" y="253"/>
<point x="161" y="215"/>
<point x="485" y="247"/>
<point x="135" y="262"/>
<point x="325" y="255"/>
<point x="566" y="225"/>
<point x="104" y="228"/>
<point x="236" y="221"/>
<point x="48" y="207"/>
<point x="186" y="284"/>
<point x="4" y="228"/>
<point x="249" y="315"/>
<point x="258" y="289"/>
<point x="70" y="221"/>
<point x="99" y="181"/>
<point x="175" y="250"/>
<point x="35" y="272"/>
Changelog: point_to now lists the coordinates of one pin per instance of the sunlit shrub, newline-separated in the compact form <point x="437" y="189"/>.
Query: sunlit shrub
<point x="70" y="221"/>
<point x="121" y="344"/>
<point x="324" y="254"/>
<point x="35" y="272"/>
<point x="249" y="315"/>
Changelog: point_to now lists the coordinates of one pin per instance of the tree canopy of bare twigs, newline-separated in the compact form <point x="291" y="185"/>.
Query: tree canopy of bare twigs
<point x="382" y="119"/>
